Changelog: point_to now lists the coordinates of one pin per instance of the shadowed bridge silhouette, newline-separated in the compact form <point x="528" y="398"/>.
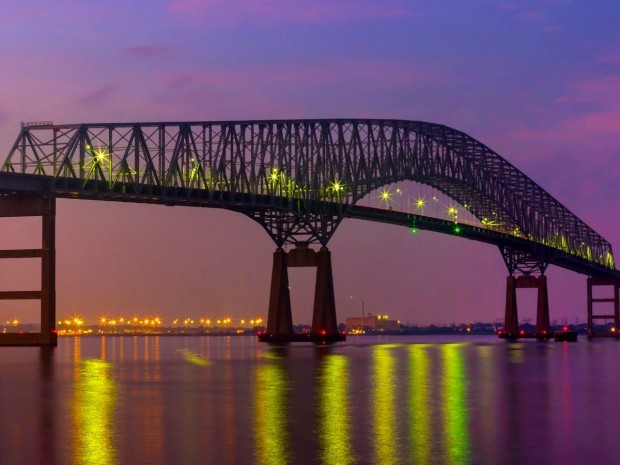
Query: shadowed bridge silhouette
<point x="299" y="179"/>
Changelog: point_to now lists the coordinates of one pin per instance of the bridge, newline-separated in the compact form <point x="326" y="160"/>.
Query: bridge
<point x="299" y="179"/>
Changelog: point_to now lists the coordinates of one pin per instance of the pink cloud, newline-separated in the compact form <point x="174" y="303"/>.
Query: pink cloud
<point x="146" y="51"/>
<point x="270" y="11"/>
<point x="99" y="94"/>
<point x="612" y="58"/>
<point x="600" y="90"/>
<point x="533" y="12"/>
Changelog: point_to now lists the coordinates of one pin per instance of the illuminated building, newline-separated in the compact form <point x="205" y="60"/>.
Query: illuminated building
<point x="370" y="322"/>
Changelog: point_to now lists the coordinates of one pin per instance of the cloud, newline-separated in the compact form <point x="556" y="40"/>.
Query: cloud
<point x="599" y="90"/>
<point x="534" y="13"/>
<point x="146" y="51"/>
<point x="99" y="95"/>
<point x="223" y="12"/>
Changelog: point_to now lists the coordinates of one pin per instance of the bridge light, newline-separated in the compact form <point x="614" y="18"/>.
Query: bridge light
<point x="385" y="195"/>
<point x="101" y="155"/>
<point x="457" y="229"/>
<point x="414" y="230"/>
<point x="452" y="211"/>
<point x="337" y="186"/>
<point x="420" y="203"/>
<point x="274" y="175"/>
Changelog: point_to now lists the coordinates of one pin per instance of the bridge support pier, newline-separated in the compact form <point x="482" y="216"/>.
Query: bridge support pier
<point x="615" y="301"/>
<point x="45" y="207"/>
<point x="511" y="320"/>
<point x="279" y="319"/>
<point x="324" y="314"/>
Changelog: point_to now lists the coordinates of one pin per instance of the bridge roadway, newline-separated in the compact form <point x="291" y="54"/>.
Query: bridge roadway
<point x="299" y="179"/>
<point x="124" y="192"/>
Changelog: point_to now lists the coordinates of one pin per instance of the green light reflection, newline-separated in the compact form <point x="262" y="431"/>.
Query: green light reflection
<point x="271" y="414"/>
<point x="386" y="435"/>
<point x="419" y="404"/>
<point x="456" y="418"/>
<point x="93" y="411"/>
<point x="334" y="434"/>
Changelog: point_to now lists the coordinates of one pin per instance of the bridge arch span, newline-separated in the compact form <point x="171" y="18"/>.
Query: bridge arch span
<point x="298" y="178"/>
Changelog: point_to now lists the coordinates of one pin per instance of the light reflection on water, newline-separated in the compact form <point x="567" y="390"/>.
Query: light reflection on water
<point x="421" y="439"/>
<point x="271" y="416"/>
<point x="334" y="420"/>
<point x="193" y="400"/>
<point x="456" y="410"/>
<point x="94" y="403"/>
<point x="385" y="435"/>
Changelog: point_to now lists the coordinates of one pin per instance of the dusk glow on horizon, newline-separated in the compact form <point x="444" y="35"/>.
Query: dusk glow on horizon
<point x="536" y="81"/>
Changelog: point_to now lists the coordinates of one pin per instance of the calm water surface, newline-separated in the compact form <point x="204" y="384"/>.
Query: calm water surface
<point x="232" y="400"/>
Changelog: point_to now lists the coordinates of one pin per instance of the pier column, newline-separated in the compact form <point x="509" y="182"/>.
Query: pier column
<point x="279" y="318"/>
<point x="48" y="271"/>
<point x="543" y="326"/>
<point x="614" y="300"/>
<point x="511" y="320"/>
<point x="324" y="315"/>
<point x="22" y="205"/>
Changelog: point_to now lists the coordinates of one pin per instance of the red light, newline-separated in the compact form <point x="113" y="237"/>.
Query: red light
<point x="545" y="331"/>
<point x="565" y="328"/>
<point x="522" y="332"/>
<point x="323" y="332"/>
<point x="259" y="333"/>
<point x="500" y="332"/>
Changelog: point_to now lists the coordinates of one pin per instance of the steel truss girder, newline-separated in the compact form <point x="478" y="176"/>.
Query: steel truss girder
<point x="306" y="161"/>
<point x="287" y="227"/>
<point x="526" y="262"/>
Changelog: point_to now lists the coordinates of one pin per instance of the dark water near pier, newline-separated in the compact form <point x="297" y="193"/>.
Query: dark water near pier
<point x="221" y="400"/>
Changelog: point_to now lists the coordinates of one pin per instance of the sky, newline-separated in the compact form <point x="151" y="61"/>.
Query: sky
<point x="537" y="81"/>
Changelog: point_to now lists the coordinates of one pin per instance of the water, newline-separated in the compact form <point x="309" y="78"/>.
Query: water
<point x="232" y="400"/>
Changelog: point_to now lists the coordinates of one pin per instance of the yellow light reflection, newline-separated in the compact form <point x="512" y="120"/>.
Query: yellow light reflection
<point x="271" y="415"/>
<point x="456" y="418"/>
<point x="195" y="358"/>
<point x="93" y="412"/>
<point x="386" y="440"/>
<point x="419" y="405"/>
<point x="334" y="434"/>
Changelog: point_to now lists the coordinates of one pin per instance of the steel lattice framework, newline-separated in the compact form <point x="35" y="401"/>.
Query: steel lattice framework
<point x="298" y="178"/>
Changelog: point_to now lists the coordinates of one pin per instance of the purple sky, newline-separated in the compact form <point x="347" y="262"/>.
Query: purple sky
<point x="537" y="81"/>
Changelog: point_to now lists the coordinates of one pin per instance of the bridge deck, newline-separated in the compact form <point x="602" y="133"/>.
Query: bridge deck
<point x="96" y="190"/>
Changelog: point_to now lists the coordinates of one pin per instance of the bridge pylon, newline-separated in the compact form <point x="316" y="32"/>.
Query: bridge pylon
<point x="279" y="318"/>
<point x="528" y="266"/>
<point x="606" y="282"/>
<point x="45" y="207"/>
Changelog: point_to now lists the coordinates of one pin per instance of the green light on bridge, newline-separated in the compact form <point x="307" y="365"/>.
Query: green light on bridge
<point x="457" y="229"/>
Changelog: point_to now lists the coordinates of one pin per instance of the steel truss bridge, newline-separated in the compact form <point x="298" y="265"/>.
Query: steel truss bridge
<point x="299" y="179"/>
